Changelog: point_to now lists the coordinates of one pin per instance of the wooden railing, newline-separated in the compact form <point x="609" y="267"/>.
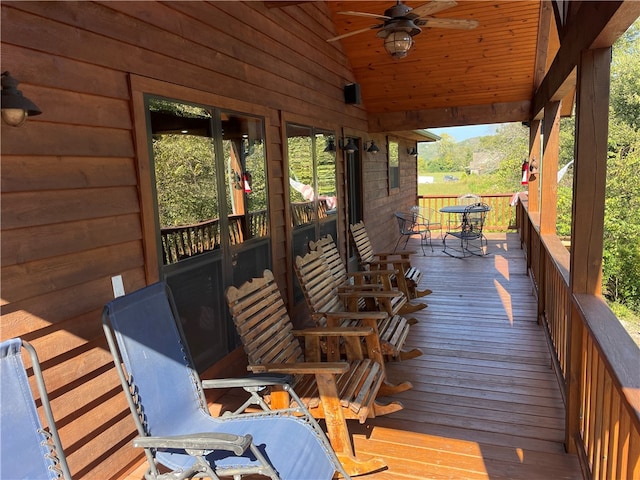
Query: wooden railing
<point x="501" y="217"/>
<point x="189" y="240"/>
<point x="597" y="361"/>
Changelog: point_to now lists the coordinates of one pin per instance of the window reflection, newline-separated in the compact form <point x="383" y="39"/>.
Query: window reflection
<point x="312" y="174"/>
<point x="188" y="161"/>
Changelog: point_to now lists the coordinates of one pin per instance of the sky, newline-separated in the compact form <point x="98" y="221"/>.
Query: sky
<point x="462" y="133"/>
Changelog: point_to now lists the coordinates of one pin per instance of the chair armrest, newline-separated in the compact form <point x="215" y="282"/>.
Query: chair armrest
<point x="258" y="380"/>
<point x="368" y="273"/>
<point x="237" y="444"/>
<point x="401" y="253"/>
<point x="307" y="368"/>
<point x="371" y="294"/>
<point x="366" y="287"/>
<point x="356" y="315"/>
<point x="333" y="332"/>
<point x="377" y="315"/>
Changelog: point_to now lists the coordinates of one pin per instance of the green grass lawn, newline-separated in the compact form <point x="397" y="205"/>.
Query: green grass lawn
<point x="440" y="187"/>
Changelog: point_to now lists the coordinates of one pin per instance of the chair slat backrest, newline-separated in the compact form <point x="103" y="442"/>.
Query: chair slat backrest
<point x="157" y="362"/>
<point x="361" y="240"/>
<point x="329" y="252"/>
<point x="28" y="450"/>
<point x="262" y="322"/>
<point x="318" y="284"/>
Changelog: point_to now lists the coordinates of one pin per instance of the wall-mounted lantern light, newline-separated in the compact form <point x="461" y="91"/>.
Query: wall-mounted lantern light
<point x="15" y="107"/>
<point x="373" y="148"/>
<point x="348" y="145"/>
<point x="331" y="145"/>
<point x="412" y="151"/>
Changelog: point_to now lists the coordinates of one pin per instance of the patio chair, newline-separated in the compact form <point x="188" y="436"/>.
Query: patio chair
<point x="410" y="224"/>
<point x="408" y="277"/>
<point x="166" y="399"/>
<point x="433" y="221"/>
<point x="332" y="389"/>
<point x="322" y="293"/>
<point x="469" y="234"/>
<point x="29" y="450"/>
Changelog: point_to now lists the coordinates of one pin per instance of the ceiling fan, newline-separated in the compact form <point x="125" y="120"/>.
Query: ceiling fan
<point x="401" y="23"/>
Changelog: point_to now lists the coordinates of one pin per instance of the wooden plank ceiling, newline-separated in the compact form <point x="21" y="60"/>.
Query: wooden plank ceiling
<point x="494" y="63"/>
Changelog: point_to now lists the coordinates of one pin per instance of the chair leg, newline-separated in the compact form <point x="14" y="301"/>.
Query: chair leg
<point x="338" y="432"/>
<point x="387" y="388"/>
<point x="397" y="243"/>
<point x="411" y="307"/>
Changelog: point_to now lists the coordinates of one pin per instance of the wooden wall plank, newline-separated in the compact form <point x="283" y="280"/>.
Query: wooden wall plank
<point x="24" y="245"/>
<point x="22" y="173"/>
<point x="25" y="209"/>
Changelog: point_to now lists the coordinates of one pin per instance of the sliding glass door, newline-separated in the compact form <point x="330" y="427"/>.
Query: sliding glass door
<point x="209" y="175"/>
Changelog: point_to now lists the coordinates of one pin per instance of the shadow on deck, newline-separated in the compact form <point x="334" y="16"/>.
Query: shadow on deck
<point x="485" y="402"/>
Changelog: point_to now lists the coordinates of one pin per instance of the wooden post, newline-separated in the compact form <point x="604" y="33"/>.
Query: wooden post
<point x="549" y="168"/>
<point x="587" y="224"/>
<point x="534" y="155"/>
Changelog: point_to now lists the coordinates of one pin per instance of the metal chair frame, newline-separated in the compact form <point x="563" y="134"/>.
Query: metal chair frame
<point x="41" y="454"/>
<point x="470" y="230"/>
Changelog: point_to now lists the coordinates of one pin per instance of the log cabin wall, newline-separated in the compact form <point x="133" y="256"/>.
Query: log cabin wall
<point x="71" y="211"/>
<point x="381" y="201"/>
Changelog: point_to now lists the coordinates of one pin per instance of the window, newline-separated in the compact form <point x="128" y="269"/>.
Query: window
<point x="312" y="175"/>
<point x="394" y="164"/>
<point x="191" y="168"/>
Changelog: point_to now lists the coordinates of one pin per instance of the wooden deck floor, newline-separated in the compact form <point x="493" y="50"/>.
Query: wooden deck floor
<point x="485" y="402"/>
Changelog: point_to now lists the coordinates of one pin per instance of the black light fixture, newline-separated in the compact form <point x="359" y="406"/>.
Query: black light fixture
<point x="331" y="145"/>
<point x="412" y="151"/>
<point x="349" y="145"/>
<point x="373" y="148"/>
<point x="15" y="107"/>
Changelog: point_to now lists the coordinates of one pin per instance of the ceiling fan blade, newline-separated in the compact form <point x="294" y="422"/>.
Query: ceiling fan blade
<point x="448" y="23"/>
<point x="365" y="14"/>
<point x="355" y="32"/>
<point x="433" y="7"/>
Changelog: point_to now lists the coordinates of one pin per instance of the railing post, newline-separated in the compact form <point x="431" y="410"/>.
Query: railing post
<point x="573" y="415"/>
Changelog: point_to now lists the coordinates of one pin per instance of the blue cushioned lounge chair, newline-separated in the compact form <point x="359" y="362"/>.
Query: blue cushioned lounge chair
<point x="28" y="449"/>
<point x="175" y="427"/>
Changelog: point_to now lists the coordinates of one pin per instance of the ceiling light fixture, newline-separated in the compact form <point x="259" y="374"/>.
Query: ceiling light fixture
<point x="398" y="42"/>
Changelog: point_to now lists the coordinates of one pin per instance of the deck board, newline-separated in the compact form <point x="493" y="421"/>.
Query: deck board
<point x="485" y="402"/>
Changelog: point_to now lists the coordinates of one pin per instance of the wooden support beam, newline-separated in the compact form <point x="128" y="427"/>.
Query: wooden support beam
<point x="535" y="155"/>
<point x="598" y="25"/>
<point x="449" y="117"/>
<point x="549" y="168"/>
<point x="590" y="170"/>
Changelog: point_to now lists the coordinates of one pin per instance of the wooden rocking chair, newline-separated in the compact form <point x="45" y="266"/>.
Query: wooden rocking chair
<point x="322" y="293"/>
<point x="408" y="277"/>
<point x="333" y="389"/>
